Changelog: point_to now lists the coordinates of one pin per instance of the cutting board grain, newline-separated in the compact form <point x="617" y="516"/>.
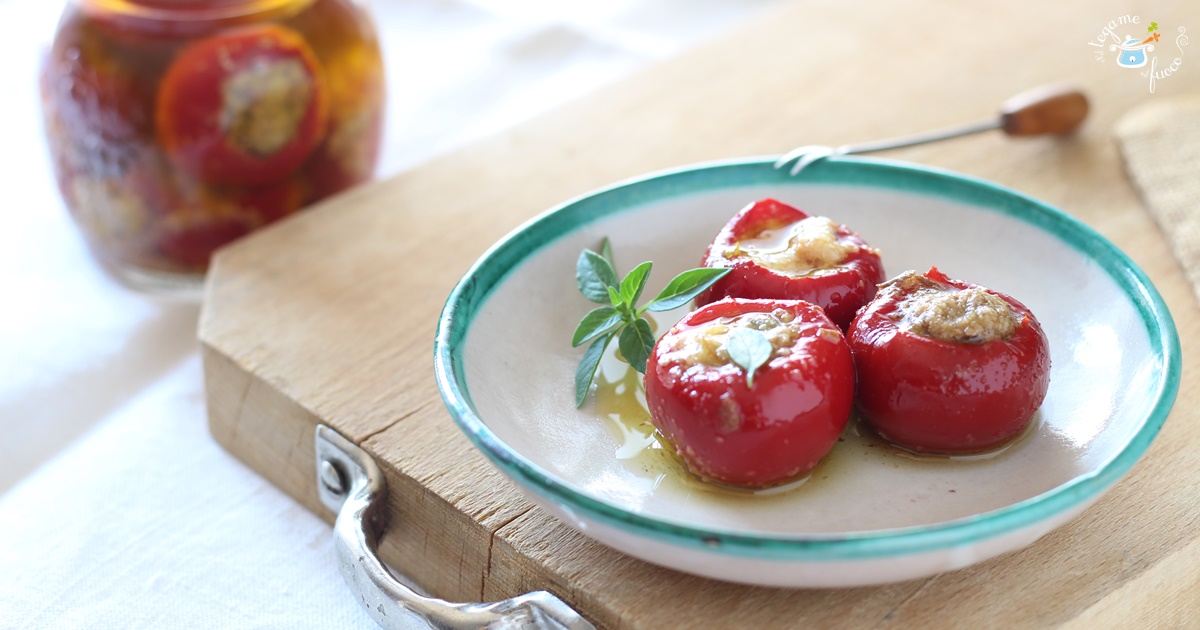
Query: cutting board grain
<point x="330" y="316"/>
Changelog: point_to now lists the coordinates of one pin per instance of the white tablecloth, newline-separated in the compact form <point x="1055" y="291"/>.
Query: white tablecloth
<point x="117" y="509"/>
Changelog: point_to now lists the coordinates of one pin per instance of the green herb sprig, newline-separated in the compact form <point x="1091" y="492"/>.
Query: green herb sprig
<point x="620" y="318"/>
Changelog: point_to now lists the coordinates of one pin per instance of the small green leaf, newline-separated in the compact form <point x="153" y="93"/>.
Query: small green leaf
<point x="634" y="282"/>
<point x="587" y="368"/>
<point x="614" y="298"/>
<point x="749" y="349"/>
<point x="594" y="276"/>
<point x="636" y="343"/>
<point x="606" y="252"/>
<point x="682" y="288"/>
<point x="595" y="323"/>
<point x="1153" y="27"/>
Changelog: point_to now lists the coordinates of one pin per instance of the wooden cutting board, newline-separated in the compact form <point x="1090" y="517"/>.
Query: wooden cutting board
<point x="330" y="316"/>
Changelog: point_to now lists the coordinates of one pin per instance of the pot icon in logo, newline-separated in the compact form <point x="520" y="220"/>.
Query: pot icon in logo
<point x="1133" y="52"/>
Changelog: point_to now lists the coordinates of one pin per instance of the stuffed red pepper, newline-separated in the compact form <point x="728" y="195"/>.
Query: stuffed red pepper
<point x="751" y="413"/>
<point x="946" y="366"/>
<point x="776" y="251"/>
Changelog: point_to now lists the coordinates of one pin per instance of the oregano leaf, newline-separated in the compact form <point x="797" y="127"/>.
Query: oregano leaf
<point x="682" y="288"/>
<point x="614" y="298"/>
<point x="636" y="344"/>
<point x="595" y="276"/>
<point x="595" y="323"/>
<point x="586" y="372"/>
<point x="634" y="282"/>
<point x="750" y="350"/>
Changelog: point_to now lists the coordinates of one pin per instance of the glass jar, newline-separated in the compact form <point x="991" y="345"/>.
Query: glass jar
<point x="177" y="126"/>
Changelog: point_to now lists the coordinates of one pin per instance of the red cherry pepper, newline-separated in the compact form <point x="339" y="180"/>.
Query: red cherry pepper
<point x="967" y="382"/>
<point x="247" y="106"/>
<point x="840" y="286"/>
<point x="751" y="436"/>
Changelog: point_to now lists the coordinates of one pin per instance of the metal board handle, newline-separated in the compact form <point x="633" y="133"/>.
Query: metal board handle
<point x="353" y="486"/>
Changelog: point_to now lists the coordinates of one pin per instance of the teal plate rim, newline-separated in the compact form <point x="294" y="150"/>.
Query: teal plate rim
<point x="507" y="254"/>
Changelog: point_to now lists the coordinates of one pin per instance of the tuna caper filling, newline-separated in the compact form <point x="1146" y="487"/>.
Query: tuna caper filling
<point x="796" y="249"/>
<point x="706" y="345"/>
<point x="264" y="104"/>
<point x="972" y="315"/>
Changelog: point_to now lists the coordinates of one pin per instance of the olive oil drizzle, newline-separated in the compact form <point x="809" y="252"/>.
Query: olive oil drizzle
<point x="622" y="402"/>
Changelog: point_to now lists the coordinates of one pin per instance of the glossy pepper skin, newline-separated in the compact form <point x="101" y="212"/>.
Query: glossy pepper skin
<point x="947" y="397"/>
<point x="760" y="436"/>
<point x="244" y="107"/>
<point x="840" y="290"/>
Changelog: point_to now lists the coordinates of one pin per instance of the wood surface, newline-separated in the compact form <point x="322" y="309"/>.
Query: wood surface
<point x="330" y="316"/>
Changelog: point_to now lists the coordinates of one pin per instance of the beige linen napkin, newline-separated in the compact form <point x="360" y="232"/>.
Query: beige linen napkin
<point x="1161" y="145"/>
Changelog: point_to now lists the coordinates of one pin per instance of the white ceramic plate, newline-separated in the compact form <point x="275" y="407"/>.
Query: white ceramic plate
<point x="868" y="514"/>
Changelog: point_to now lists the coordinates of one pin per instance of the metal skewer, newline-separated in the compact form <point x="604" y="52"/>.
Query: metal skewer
<point x="1051" y="109"/>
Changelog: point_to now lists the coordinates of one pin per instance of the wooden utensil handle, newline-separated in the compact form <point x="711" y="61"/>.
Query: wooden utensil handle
<point x="1053" y="109"/>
